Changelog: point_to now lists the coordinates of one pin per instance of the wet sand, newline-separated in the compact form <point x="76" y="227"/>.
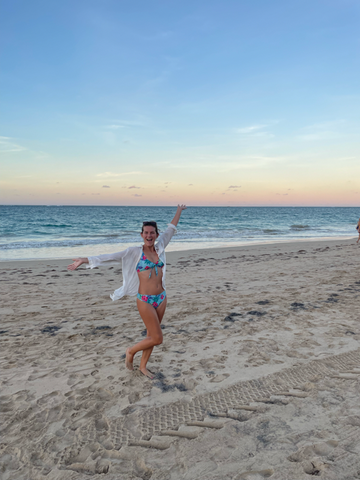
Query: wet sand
<point x="258" y="376"/>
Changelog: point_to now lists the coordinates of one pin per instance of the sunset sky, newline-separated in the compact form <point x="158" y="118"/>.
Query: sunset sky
<point x="112" y="102"/>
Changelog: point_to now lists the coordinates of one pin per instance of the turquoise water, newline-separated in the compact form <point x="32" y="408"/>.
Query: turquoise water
<point x="65" y="231"/>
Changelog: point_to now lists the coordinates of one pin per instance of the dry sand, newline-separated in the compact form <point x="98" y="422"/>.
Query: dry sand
<point x="261" y="346"/>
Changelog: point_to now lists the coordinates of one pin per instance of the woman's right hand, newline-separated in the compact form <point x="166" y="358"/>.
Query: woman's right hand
<point x="77" y="263"/>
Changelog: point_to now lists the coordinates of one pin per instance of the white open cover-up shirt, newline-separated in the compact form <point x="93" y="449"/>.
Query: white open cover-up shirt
<point x="130" y="258"/>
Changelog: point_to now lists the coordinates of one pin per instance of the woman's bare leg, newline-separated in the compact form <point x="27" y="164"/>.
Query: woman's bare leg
<point x="154" y="333"/>
<point x="146" y="353"/>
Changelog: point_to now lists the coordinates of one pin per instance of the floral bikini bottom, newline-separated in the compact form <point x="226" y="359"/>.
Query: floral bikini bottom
<point x="154" y="300"/>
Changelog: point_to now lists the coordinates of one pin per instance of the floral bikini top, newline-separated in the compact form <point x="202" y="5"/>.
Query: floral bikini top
<point x="145" y="264"/>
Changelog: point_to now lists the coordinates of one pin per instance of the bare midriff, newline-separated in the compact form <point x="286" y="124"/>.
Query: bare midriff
<point x="152" y="285"/>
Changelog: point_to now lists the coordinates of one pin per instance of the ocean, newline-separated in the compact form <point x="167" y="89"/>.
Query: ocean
<point x="34" y="232"/>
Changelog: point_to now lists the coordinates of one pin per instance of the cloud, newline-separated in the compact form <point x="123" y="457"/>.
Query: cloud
<point x="7" y="145"/>
<point x="324" y="125"/>
<point x="255" y="131"/>
<point x="156" y="36"/>
<point x="190" y="184"/>
<point x="111" y="174"/>
<point x="121" y="123"/>
<point x="95" y="194"/>
<point x="41" y="155"/>
<point x="263" y="134"/>
<point x="133" y="186"/>
<point x="321" y="131"/>
<point x="315" y="136"/>
<point x="105" y="186"/>
<point x="234" y="188"/>
<point x="114" y="127"/>
<point x="231" y="163"/>
<point x="136" y="195"/>
<point x="251" y="129"/>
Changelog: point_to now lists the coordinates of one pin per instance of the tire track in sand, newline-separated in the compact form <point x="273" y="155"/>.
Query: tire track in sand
<point x="138" y="428"/>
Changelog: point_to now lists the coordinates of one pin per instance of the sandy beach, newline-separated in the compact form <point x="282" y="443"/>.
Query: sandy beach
<point x="258" y="376"/>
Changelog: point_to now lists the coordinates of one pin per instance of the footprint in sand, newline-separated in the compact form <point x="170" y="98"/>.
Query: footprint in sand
<point x="255" y="474"/>
<point x="322" y="449"/>
<point x="309" y="457"/>
<point x="219" y="378"/>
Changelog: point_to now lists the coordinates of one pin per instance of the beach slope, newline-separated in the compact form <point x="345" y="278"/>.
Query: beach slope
<point x="258" y="376"/>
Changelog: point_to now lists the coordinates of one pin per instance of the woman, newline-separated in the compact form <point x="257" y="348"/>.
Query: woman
<point x="144" y="269"/>
<point x="358" y="229"/>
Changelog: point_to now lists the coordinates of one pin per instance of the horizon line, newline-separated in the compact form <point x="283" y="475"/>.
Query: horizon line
<point x="188" y="206"/>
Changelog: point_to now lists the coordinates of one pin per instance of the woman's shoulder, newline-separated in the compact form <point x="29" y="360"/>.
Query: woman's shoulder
<point x="134" y="249"/>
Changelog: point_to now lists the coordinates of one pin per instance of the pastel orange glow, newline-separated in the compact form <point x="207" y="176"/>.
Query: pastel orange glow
<point x="201" y="192"/>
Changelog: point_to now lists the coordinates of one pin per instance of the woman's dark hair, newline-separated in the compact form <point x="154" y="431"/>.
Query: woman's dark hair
<point x="150" y="224"/>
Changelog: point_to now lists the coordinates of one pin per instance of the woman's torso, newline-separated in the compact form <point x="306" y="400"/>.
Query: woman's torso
<point x="150" y="273"/>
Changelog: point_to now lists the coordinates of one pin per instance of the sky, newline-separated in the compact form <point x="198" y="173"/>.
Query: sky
<point x="202" y="102"/>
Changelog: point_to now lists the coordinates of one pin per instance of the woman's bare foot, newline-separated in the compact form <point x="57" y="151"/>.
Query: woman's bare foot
<point x="147" y="373"/>
<point x="129" y="360"/>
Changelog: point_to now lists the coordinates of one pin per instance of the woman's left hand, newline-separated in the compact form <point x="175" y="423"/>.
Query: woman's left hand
<point x="182" y="207"/>
<point x="176" y="219"/>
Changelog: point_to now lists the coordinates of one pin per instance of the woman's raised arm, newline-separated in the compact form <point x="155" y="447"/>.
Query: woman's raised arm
<point x="176" y="218"/>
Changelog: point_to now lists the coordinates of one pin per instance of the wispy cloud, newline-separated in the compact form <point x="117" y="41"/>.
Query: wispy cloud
<point x="8" y="145"/>
<point x="321" y="131"/>
<point x="325" y="125"/>
<point x="255" y="131"/>
<point x="158" y="35"/>
<point x="133" y="186"/>
<point x="111" y="174"/>
<point x="172" y="65"/>
<point x="315" y="136"/>
<point x="136" y="195"/>
<point x="116" y="123"/>
<point x="231" y="163"/>
<point x="41" y="155"/>
<point x="234" y="186"/>
<point x="228" y="163"/>
<point x="251" y="129"/>
<point x="114" y="127"/>
<point x="105" y="186"/>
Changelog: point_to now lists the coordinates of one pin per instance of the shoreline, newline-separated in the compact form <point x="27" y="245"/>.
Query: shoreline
<point x="208" y="248"/>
